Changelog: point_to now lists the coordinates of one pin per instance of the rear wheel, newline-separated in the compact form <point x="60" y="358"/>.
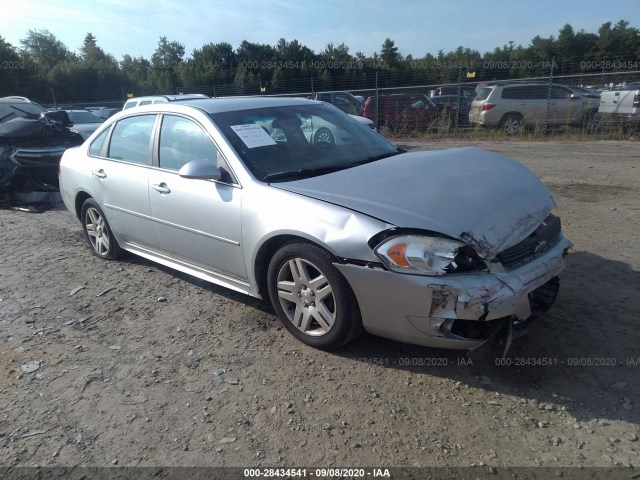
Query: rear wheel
<point x="97" y="231"/>
<point x="592" y="121"/>
<point x="325" y="136"/>
<point x="311" y="298"/>
<point x="511" y="123"/>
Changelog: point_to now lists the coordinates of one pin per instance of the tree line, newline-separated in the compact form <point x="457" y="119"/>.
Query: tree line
<point x="45" y="69"/>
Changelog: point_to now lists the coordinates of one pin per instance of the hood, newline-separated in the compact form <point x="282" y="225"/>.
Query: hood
<point x="482" y="198"/>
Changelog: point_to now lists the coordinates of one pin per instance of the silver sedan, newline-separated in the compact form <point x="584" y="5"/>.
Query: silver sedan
<point x="454" y="249"/>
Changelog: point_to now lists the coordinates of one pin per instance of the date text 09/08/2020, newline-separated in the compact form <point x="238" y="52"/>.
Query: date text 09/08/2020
<point x="316" y="472"/>
<point x="503" y="362"/>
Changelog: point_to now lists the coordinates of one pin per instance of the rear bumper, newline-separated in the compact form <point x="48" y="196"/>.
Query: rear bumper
<point x="458" y="311"/>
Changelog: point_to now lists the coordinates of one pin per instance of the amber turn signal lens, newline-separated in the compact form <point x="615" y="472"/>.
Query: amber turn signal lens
<point x="397" y="254"/>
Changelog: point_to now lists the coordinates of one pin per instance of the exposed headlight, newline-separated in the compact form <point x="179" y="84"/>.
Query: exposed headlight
<point x="420" y="255"/>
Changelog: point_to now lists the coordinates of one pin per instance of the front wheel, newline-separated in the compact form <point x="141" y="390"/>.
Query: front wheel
<point x="311" y="298"/>
<point x="97" y="231"/>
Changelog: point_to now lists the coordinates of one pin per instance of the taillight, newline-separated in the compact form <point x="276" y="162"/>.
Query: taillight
<point x="487" y="106"/>
<point x="636" y="100"/>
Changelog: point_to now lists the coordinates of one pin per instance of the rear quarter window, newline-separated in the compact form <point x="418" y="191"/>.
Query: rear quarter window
<point x="483" y="94"/>
<point x="95" y="149"/>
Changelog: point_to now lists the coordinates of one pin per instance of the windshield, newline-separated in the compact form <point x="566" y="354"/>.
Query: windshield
<point x="83" y="117"/>
<point x="584" y="91"/>
<point x="9" y="111"/>
<point x="295" y="141"/>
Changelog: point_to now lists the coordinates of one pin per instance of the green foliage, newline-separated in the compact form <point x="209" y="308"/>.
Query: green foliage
<point x="43" y="49"/>
<point x="45" y="63"/>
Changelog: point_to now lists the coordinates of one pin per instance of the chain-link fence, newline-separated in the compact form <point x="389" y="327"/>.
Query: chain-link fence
<point x="503" y="102"/>
<point x="497" y="100"/>
<point x="587" y="103"/>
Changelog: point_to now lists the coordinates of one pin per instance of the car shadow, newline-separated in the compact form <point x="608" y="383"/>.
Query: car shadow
<point x="582" y="355"/>
<point x="263" y="306"/>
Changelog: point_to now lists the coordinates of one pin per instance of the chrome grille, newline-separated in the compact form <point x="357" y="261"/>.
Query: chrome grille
<point x="543" y="238"/>
<point x="37" y="157"/>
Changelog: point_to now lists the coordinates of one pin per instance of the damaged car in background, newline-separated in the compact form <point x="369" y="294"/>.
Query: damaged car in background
<point x="32" y="141"/>
<point x="451" y="249"/>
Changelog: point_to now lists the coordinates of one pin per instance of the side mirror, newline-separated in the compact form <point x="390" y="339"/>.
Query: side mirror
<point x="574" y="96"/>
<point x="200" y="169"/>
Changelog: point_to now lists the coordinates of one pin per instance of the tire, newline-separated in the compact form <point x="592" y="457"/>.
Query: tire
<point x="592" y="121"/>
<point x="97" y="231"/>
<point x="511" y="123"/>
<point x="311" y="298"/>
<point x="324" y="136"/>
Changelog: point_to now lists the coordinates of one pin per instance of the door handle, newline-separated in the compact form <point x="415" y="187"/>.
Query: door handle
<point x="100" y="173"/>
<point x="161" y="187"/>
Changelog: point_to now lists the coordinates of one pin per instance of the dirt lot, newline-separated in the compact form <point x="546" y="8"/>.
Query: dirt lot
<point x="144" y="366"/>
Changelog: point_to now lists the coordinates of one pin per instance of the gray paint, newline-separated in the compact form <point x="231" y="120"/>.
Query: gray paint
<point x="483" y="198"/>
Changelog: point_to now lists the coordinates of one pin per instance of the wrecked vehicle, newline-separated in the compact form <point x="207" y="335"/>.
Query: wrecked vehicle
<point x="32" y="142"/>
<point x="453" y="249"/>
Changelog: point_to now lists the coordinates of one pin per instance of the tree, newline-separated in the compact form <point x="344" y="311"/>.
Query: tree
<point x="389" y="53"/>
<point x="43" y="48"/>
<point x="138" y="73"/>
<point x="618" y="44"/>
<point x="13" y="69"/>
<point x="166" y="63"/>
<point x="92" y="55"/>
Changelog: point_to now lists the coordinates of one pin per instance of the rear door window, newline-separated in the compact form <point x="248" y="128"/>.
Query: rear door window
<point x="131" y="139"/>
<point x="525" y="92"/>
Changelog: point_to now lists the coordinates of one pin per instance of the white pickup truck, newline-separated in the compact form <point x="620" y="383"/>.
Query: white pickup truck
<point x="621" y="106"/>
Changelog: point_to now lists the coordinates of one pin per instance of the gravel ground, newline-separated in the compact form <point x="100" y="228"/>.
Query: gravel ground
<point x="131" y="364"/>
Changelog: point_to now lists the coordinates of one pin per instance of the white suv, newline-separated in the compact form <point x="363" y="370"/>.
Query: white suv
<point x="135" y="101"/>
<point x="512" y="106"/>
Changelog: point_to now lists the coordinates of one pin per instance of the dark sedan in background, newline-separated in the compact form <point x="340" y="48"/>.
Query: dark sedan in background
<point x="462" y="105"/>
<point x="32" y="141"/>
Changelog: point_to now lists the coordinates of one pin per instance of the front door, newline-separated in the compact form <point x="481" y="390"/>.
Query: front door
<point x="197" y="222"/>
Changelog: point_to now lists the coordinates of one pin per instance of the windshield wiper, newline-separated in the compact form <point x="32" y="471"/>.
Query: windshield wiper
<point x="312" y="172"/>
<point x="376" y="157"/>
<point x="304" y="172"/>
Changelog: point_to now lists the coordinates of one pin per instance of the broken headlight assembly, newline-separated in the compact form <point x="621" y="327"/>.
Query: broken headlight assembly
<point x="422" y="255"/>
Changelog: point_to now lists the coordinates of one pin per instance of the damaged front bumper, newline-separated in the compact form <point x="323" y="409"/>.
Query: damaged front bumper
<point x="29" y="169"/>
<point x="465" y="311"/>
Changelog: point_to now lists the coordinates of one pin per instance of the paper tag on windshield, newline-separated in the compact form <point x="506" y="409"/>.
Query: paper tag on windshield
<point x="253" y="135"/>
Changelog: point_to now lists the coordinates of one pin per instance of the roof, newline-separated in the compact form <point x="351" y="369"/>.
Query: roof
<point x="228" y="104"/>
<point x="15" y="99"/>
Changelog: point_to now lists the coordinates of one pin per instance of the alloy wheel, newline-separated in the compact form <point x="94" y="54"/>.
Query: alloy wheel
<point x="306" y="296"/>
<point x="97" y="231"/>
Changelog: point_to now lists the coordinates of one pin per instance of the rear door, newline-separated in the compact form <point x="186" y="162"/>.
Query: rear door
<point x="122" y="157"/>
<point x="197" y="222"/>
<point x="528" y="100"/>
<point x="563" y="109"/>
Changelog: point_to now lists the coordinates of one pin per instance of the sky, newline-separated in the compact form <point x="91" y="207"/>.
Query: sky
<point x="417" y="27"/>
